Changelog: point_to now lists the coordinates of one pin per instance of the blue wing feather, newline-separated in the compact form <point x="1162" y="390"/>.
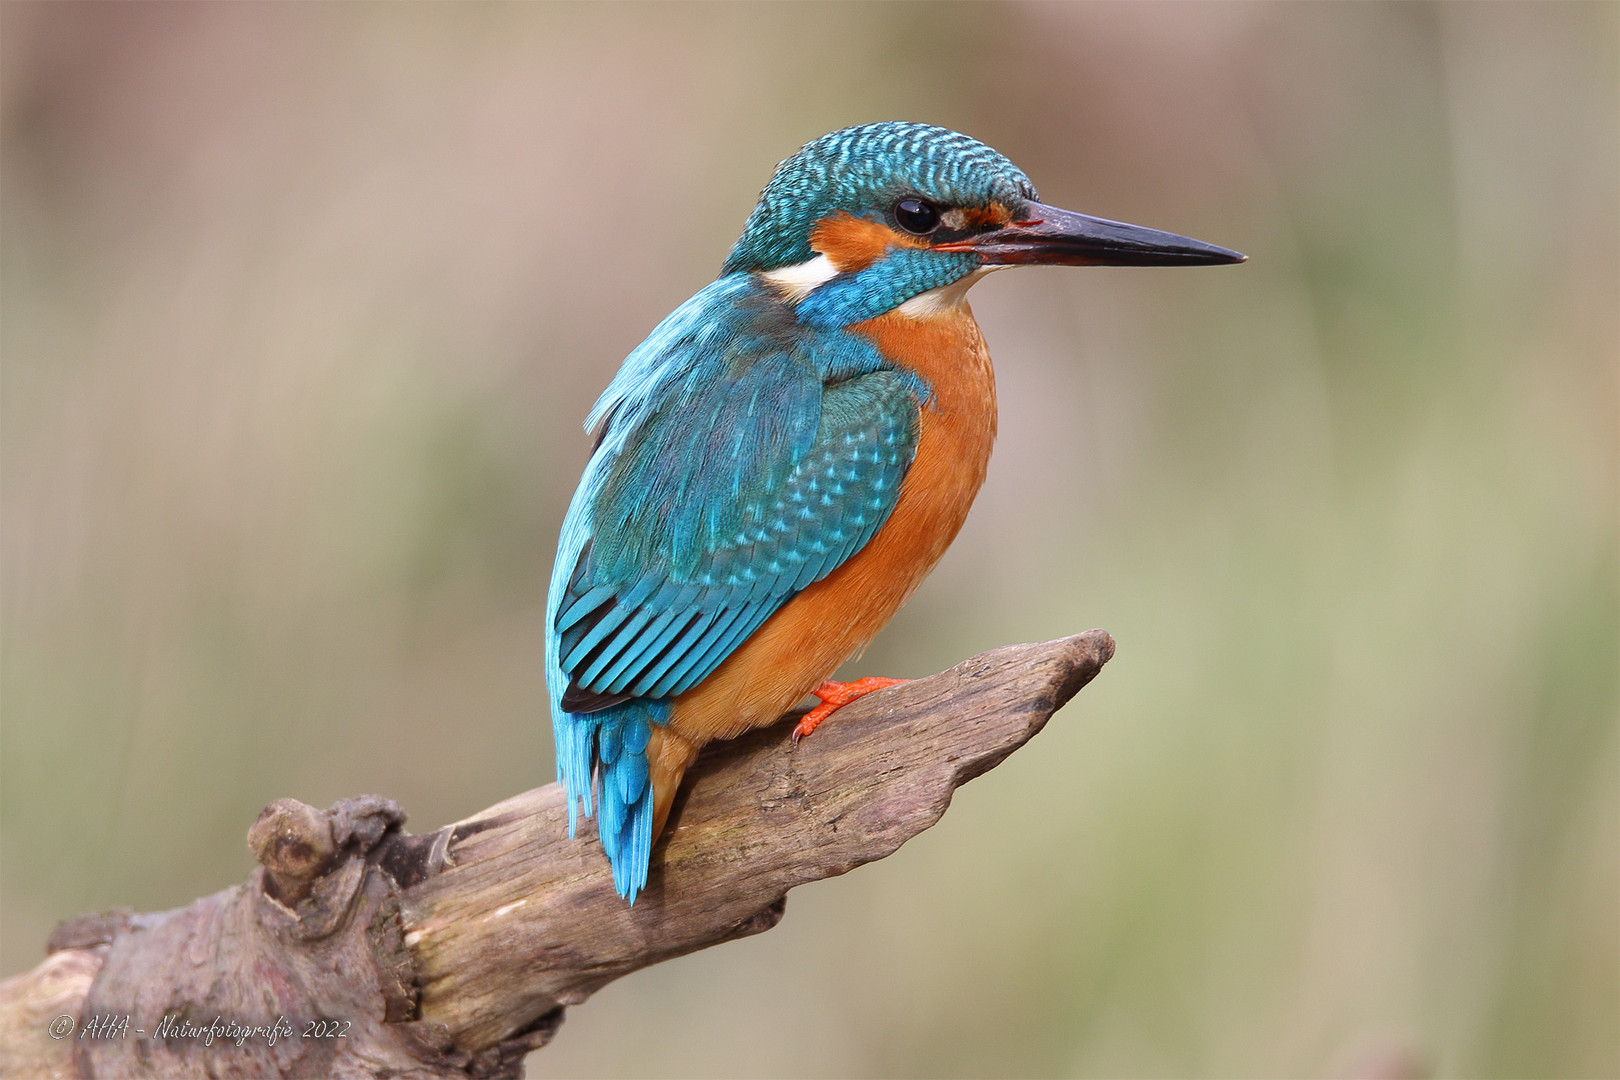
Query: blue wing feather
<point x="842" y="489"/>
<point x="742" y="457"/>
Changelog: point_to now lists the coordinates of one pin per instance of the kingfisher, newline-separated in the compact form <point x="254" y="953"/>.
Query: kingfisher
<point x="786" y="456"/>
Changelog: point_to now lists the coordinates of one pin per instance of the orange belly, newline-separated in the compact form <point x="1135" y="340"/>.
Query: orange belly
<point x="801" y="645"/>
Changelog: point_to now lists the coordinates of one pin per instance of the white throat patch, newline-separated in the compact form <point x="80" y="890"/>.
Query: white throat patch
<point x="945" y="300"/>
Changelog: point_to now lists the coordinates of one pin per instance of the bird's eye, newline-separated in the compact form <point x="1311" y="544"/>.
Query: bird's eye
<point x="916" y="216"/>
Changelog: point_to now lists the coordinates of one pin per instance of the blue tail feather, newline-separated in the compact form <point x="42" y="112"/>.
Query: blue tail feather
<point x="610" y="747"/>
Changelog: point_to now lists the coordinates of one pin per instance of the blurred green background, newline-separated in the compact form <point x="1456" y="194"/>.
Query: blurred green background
<point x="302" y="309"/>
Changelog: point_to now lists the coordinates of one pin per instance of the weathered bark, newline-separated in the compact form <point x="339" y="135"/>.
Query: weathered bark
<point x="455" y="953"/>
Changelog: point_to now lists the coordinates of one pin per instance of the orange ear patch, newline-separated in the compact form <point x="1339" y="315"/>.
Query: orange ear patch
<point x="853" y="243"/>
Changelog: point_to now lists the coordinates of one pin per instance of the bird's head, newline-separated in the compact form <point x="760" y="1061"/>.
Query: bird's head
<point x="870" y="218"/>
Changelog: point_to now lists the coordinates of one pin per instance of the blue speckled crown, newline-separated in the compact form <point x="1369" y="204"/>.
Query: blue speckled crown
<point x="867" y="168"/>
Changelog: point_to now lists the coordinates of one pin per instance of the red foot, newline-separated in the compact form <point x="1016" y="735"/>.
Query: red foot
<point x="834" y="696"/>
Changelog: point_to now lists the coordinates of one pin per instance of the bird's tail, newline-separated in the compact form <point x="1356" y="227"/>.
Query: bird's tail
<point x="610" y="747"/>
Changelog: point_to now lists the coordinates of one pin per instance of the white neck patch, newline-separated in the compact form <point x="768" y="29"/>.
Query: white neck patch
<point x="802" y="279"/>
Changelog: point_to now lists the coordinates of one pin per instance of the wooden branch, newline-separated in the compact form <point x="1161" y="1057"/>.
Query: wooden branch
<point x="356" y="949"/>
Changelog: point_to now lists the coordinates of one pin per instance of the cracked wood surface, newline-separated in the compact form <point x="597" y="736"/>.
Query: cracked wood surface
<point x="455" y="953"/>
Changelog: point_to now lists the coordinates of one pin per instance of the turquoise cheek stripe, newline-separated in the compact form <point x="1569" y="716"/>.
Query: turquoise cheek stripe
<point x="885" y="285"/>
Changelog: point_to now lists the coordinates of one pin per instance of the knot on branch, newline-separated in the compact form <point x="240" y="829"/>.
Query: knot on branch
<point x="298" y="845"/>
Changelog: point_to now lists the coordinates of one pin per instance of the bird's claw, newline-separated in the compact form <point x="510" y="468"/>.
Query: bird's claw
<point x="834" y="696"/>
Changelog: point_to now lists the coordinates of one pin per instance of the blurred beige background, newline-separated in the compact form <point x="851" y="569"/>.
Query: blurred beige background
<point x="302" y="309"/>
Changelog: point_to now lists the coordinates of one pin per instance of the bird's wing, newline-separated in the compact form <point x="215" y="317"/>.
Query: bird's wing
<point x="726" y="491"/>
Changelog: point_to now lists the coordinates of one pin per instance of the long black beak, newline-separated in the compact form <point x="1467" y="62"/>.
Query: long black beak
<point x="1053" y="237"/>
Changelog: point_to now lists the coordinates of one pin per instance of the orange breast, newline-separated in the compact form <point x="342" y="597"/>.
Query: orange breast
<point x="805" y="642"/>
